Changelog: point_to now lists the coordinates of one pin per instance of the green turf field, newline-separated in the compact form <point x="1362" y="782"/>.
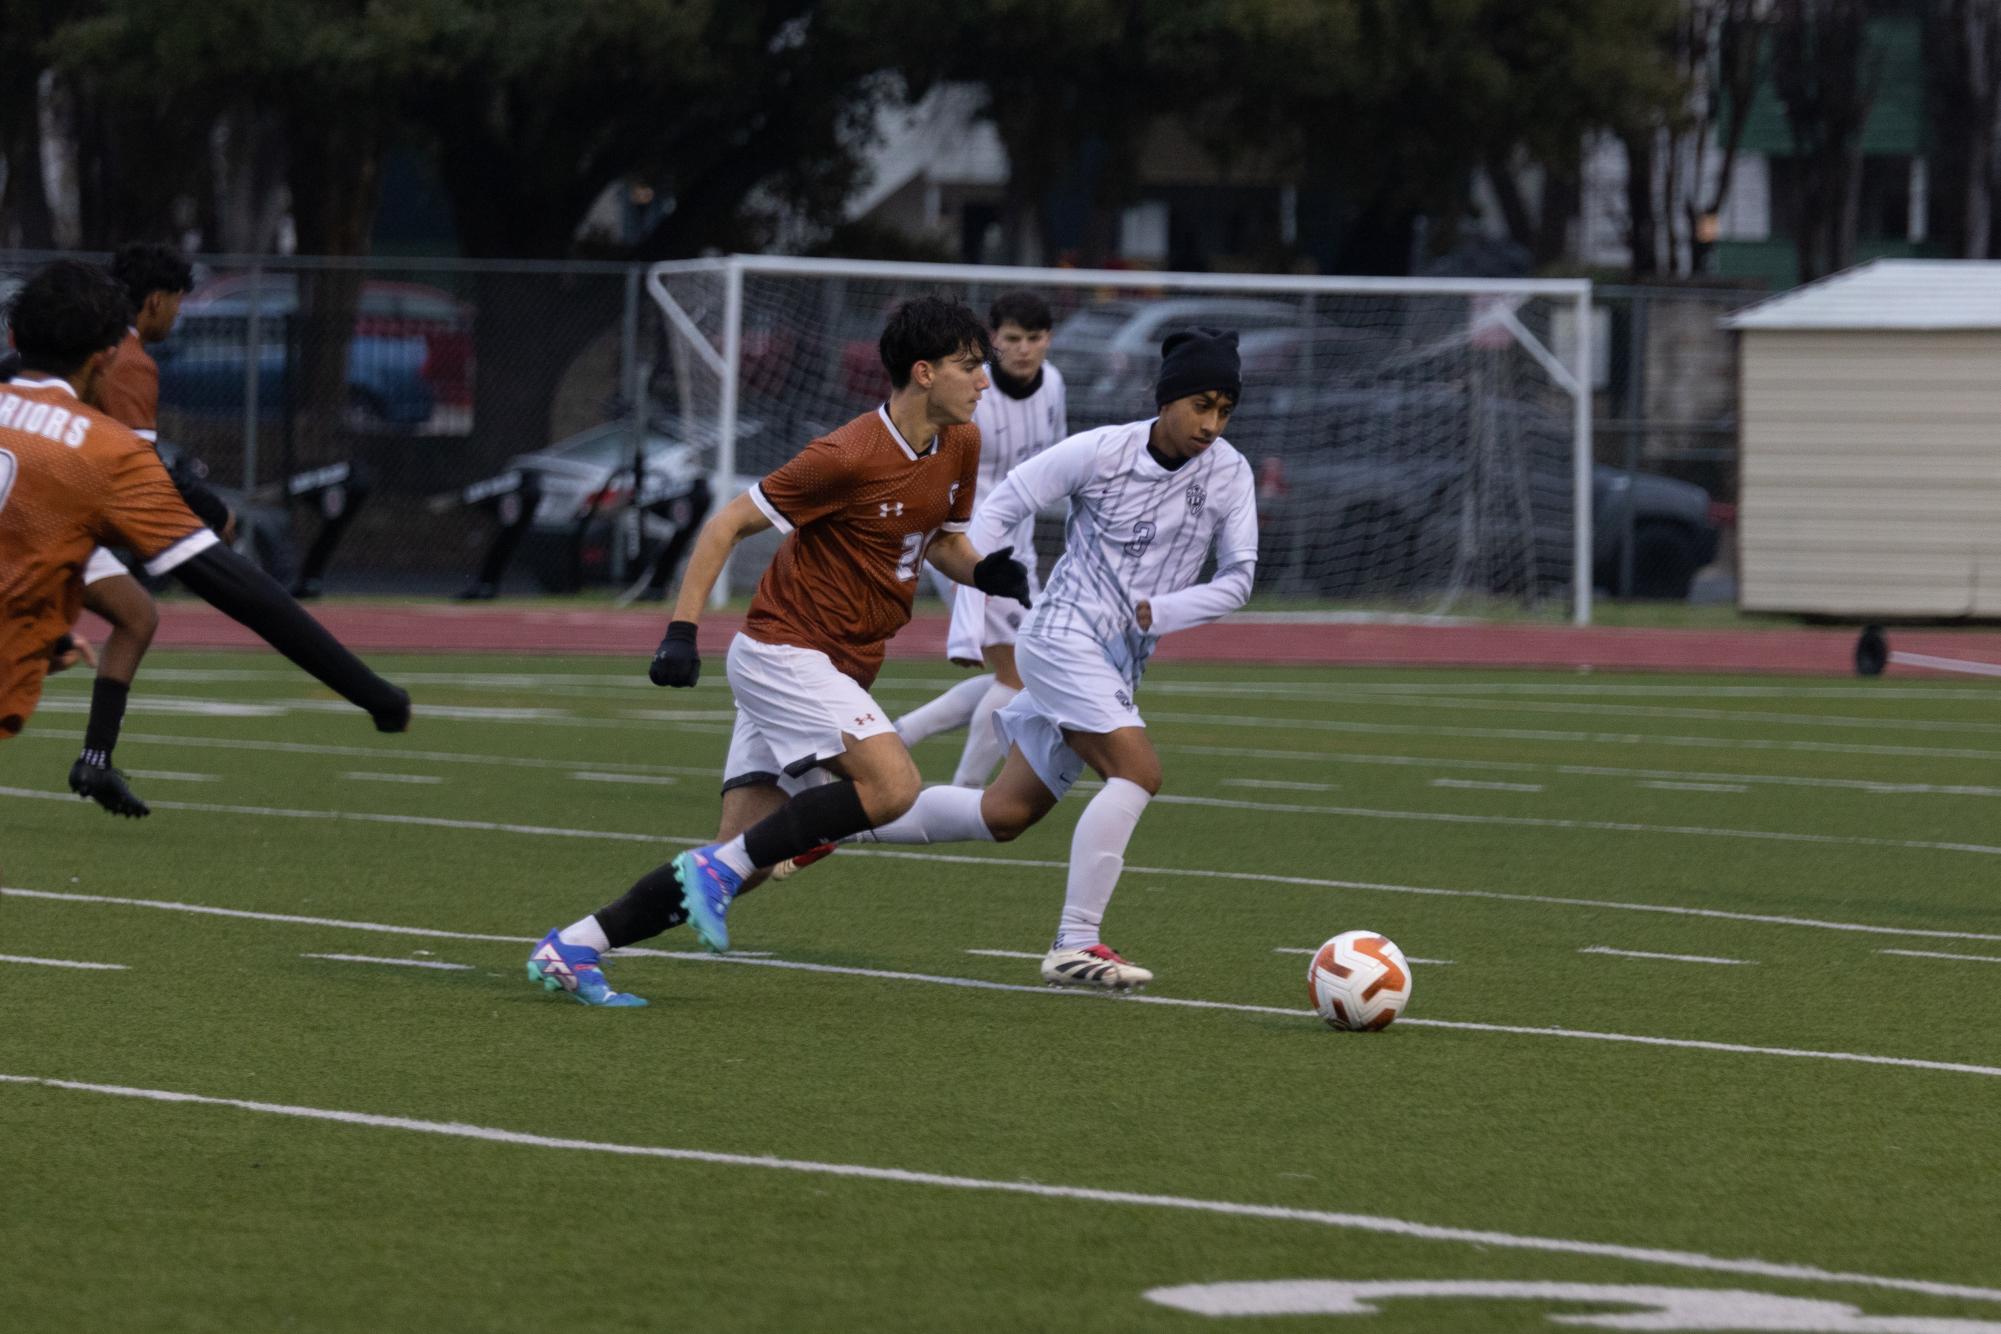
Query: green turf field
<point x="879" y="1120"/>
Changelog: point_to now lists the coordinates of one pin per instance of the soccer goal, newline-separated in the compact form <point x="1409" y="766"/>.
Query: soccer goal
<point x="1418" y="443"/>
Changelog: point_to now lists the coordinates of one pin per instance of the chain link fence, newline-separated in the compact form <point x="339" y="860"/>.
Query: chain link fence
<point x="431" y="427"/>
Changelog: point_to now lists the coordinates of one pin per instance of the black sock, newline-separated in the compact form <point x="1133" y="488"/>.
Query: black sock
<point x="651" y="906"/>
<point x="824" y="814"/>
<point x="107" y="716"/>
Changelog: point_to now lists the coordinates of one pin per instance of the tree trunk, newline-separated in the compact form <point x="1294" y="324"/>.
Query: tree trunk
<point x="1641" y="232"/>
<point x="336" y="181"/>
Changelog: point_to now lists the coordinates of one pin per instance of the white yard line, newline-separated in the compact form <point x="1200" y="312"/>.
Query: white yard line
<point x="981" y="984"/>
<point x="660" y="780"/>
<point x="1005" y="954"/>
<point x="1483" y="785"/>
<point x="1399" y="1227"/>
<point x="992" y="862"/>
<point x="1662" y="785"/>
<point x="397" y="963"/>
<point x="385" y="753"/>
<point x="1932" y="954"/>
<point x="1671" y="958"/>
<point x="64" y="963"/>
<point x="172" y="776"/>
<point x="363" y="776"/>
<point x="1294" y="949"/>
<point x="1280" y="784"/>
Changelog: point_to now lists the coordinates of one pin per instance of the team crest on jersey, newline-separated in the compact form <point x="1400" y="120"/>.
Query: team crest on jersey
<point x="1196" y="496"/>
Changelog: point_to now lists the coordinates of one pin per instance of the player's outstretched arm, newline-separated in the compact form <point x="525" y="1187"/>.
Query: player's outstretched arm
<point x="1230" y="587"/>
<point x="677" y="662"/>
<point x="997" y="575"/>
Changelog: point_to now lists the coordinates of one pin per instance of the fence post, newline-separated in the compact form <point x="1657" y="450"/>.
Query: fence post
<point x="630" y="530"/>
<point x="253" y="360"/>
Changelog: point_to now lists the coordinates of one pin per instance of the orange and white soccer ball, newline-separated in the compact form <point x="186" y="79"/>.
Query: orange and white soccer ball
<point x="1359" y="980"/>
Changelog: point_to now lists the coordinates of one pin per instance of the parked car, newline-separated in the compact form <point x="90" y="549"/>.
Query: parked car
<point x="1109" y="352"/>
<point x="409" y="363"/>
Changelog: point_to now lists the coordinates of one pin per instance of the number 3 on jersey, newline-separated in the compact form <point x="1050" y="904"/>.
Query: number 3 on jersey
<point x="913" y="552"/>
<point x="8" y="467"/>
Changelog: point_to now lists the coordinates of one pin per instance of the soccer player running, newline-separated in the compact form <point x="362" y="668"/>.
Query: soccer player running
<point x="1027" y="415"/>
<point x="813" y="758"/>
<point x="71" y="477"/>
<point x="1148" y="502"/>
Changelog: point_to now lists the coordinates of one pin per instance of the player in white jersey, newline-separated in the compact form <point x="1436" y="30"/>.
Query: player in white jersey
<point x="1026" y="414"/>
<point x="1148" y="503"/>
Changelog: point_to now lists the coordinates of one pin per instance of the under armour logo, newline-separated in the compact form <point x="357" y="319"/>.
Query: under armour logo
<point x="864" y="720"/>
<point x="890" y="507"/>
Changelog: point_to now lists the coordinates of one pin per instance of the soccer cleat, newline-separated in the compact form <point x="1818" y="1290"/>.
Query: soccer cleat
<point x="106" y="786"/>
<point x="791" y="866"/>
<point x="575" y="969"/>
<point x="1093" y="966"/>
<point x="707" y="886"/>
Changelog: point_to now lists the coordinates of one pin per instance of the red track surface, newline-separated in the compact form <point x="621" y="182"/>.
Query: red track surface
<point x="454" y="628"/>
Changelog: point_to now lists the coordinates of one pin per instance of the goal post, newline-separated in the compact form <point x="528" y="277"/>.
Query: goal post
<point x="1419" y="443"/>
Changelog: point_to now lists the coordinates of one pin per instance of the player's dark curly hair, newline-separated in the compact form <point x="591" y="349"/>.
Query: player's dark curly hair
<point x="145" y="267"/>
<point x="67" y="312"/>
<point x="929" y="328"/>
<point x="1021" y="307"/>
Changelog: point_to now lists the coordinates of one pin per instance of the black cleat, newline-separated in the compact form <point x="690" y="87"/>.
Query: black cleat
<point x="480" y="591"/>
<point x="106" y="786"/>
<point x="396" y="719"/>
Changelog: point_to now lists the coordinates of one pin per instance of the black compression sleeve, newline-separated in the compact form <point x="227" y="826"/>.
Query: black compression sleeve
<point x="824" y="814"/>
<point x="651" y="906"/>
<point x="209" y="507"/>
<point x="247" y="595"/>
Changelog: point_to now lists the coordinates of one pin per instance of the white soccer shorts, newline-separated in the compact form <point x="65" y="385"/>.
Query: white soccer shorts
<point x="1066" y="683"/>
<point x="102" y="565"/>
<point x="792" y="708"/>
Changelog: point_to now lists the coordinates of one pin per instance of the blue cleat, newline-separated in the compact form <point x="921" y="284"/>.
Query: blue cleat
<point x="575" y="969"/>
<point x="707" y="886"/>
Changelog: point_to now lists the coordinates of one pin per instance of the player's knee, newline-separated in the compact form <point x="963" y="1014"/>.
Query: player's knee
<point x="1145" y="775"/>
<point x="890" y="794"/>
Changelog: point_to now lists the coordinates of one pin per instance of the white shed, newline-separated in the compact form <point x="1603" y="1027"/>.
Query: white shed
<point x="1870" y="443"/>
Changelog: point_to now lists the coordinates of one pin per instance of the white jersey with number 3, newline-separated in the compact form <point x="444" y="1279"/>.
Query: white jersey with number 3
<point x="1136" y="532"/>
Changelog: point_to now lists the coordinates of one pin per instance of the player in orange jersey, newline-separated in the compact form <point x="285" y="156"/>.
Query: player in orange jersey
<point x="813" y="757"/>
<point x="71" y="477"/>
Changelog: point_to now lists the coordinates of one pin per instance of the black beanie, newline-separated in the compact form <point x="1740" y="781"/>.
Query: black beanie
<point x="1194" y="361"/>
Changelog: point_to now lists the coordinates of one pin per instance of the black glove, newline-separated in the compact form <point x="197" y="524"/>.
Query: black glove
<point x="675" y="662"/>
<point x="1001" y="576"/>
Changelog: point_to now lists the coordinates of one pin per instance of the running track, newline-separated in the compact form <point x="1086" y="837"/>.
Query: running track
<point x="452" y="628"/>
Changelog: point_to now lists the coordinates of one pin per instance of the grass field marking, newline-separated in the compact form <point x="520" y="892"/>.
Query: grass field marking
<point x="1485" y="785"/>
<point x="656" y="779"/>
<point x="172" y="776"/>
<point x="1408" y="958"/>
<point x="1561" y="822"/>
<point x="1665" y="785"/>
<point x="1671" y="958"/>
<point x="399" y="963"/>
<point x="1870" y="785"/>
<point x="65" y="963"/>
<point x="1904" y="659"/>
<point x="386" y="753"/>
<point x="1005" y="954"/>
<point x="1281" y="784"/>
<point x="1933" y="954"/>
<point x="199" y="708"/>
<point x="989" y="861"/>
<point x="1398" y="1227"/>
<point x="1021" y="988"/>
<point x="365" y="776"/>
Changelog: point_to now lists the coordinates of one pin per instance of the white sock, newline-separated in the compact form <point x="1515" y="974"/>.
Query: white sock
<point x="951" y="709"/>
<point x="941" y="815"/>
<point x="984" y="748"/>
<point x="1097" y="855"/>
<point x="585" y="932"/>
<point x="733" y="855"/>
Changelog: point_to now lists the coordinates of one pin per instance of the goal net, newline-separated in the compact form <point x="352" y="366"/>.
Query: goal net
<point x="1417" y="443"/>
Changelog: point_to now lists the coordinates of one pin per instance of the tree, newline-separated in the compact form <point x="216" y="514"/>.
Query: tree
<point x="1826" y="73"/>
<point x="1962" y="46"/>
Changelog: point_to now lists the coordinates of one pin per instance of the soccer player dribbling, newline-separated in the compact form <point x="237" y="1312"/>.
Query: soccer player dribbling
<point x="813" y="757"/>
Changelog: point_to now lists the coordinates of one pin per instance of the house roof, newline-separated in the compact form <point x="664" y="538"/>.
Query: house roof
<point x="1887" y="294"/>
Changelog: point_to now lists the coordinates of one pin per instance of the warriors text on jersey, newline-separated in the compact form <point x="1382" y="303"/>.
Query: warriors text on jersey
<point x="1136" y="532"/>
<point x="857" y="507"/>
<point x="71" y="479"/>
<point x="129" y="388"/>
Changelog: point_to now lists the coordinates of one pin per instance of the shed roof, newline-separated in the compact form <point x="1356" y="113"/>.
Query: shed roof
<point x="1887" y="294"/>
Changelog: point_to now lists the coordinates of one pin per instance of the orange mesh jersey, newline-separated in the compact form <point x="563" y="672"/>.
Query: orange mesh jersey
<point x="858" y="508"/>
<point x="128" y="390"/>
<point x="71" y="479"/>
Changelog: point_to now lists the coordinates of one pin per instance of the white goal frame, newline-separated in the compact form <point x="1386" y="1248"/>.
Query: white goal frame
<point x="1573" y="376"/>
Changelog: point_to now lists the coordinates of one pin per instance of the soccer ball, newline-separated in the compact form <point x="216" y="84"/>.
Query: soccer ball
<point x="1359" y="980"/>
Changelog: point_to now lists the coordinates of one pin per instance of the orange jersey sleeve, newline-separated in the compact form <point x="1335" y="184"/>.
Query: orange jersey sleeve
<point x="129" y="389"/>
